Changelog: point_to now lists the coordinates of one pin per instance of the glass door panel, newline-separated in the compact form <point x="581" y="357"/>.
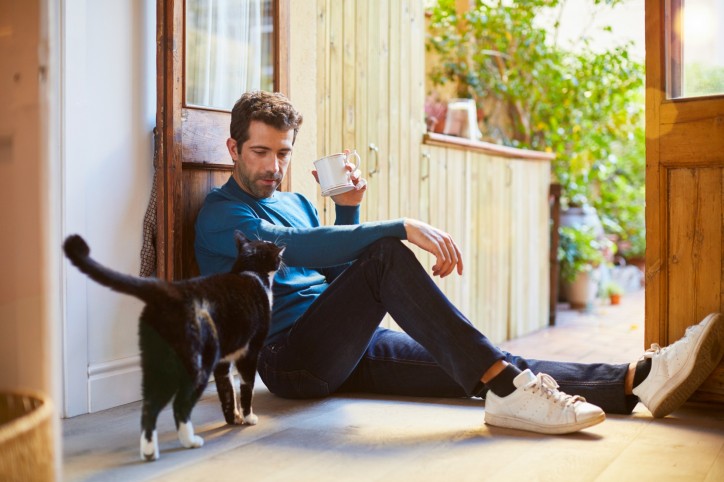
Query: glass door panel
<point x="695" y="48"/>
<point x="229" y="50"/>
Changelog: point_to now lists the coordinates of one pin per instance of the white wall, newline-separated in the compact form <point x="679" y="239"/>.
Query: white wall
<point x="109" y="105"/>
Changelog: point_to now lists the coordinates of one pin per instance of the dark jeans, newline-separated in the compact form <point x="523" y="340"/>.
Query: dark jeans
<point x="337" y="345"/>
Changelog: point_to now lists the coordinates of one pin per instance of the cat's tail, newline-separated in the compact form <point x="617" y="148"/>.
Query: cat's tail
<point x="146" y="289"/>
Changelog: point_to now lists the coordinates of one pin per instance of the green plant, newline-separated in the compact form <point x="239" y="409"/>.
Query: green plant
<point x="579" y="250"/>
<point x="612" y="288"/>
<point x="584" y="105"/>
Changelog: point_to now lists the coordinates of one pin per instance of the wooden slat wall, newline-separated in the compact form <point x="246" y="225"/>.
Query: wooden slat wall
<point x="371" y="92"/>
<point x="492" y="245"/>
<point x="529" y="263"/>
<point x="497" y="211"/>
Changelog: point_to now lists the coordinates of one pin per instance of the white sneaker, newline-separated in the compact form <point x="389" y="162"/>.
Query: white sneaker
<point x="678" y="369"/>
<point x="538" y="406"/>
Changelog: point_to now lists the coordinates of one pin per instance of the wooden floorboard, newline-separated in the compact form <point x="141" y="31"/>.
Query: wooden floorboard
<point x="393" y="438"/>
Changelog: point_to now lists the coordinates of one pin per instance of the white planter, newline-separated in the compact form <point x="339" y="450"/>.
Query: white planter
<point x="583" y="216"/>
<point x="581" y="292"/>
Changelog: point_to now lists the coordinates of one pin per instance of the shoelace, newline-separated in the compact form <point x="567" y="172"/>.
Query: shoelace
<point x="549" y="388"/>
<point x="653" y="351"/>
<point x="656" y="349"/>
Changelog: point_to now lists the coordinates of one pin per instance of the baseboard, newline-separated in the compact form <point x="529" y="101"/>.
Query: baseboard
<point x="118" y="382"/>
<point x="114" y="383"/>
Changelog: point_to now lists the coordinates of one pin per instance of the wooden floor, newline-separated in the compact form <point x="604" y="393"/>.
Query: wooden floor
<point x="384" y="438"/>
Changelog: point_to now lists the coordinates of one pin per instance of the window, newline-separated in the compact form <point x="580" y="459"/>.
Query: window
<point x="695" y="48"/>
<point x="229" y="47"/>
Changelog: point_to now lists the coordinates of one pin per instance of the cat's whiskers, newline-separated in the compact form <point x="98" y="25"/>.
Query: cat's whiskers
<point x="282" y="268"/>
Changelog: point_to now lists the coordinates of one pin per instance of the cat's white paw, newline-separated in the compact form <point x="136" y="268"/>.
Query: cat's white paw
<point x="238" y="419"/>
<point x="187" y="438"/>
<point x="251" y="419"/>
<point x="194" y="443"/>
<point x="149" y="450"/>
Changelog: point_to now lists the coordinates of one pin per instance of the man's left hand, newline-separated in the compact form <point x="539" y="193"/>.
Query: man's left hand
<point x="355" y="196"/>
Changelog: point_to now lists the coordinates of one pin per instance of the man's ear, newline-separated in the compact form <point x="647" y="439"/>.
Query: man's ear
<point x="231" y="146"/>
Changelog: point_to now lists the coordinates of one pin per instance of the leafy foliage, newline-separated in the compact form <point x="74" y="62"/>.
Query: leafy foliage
<point x="579" y="250"/>
<point x="586" y="106"/>
<point x="703" y="79"/>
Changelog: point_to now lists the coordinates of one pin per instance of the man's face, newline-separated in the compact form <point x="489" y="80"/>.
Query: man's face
<point x="264" y="159"/>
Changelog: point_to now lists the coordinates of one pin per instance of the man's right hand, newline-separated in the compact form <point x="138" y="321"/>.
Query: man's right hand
<point x="437" y="242"/>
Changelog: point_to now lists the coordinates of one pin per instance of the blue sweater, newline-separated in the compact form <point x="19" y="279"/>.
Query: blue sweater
<point x="314" y="254"/>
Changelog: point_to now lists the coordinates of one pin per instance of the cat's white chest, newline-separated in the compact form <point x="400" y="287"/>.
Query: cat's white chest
<point x="268" y="290"/>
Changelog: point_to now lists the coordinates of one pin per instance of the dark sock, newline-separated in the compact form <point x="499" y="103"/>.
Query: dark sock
<point x="502" y="384"/>
<point x="643" y="367"/>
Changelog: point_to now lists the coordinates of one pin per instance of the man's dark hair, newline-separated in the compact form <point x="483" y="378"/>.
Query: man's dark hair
<point x="271" y="108"/>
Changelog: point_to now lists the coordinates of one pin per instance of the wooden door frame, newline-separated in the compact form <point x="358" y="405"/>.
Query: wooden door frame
<point x="168" y="132"/>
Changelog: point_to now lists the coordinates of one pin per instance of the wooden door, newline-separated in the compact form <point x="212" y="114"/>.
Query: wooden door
<point x="191" y="155"/>
<point x="684" y="181"/>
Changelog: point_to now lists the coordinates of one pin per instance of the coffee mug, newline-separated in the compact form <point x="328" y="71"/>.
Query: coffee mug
<point x="333" y="177"/>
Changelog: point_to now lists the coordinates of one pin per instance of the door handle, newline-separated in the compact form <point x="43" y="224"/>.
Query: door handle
<point x="376" y="151"/>
<point x="426" y="173"/>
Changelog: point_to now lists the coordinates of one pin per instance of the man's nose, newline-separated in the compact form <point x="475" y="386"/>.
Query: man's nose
<point x="272" y="163"/>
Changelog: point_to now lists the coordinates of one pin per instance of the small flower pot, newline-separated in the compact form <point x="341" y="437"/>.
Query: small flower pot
<point x="615" y="299"/>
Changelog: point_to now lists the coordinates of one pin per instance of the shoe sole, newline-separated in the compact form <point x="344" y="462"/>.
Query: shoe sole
<point x="706" y="355"/>
<point x="518" y="424"/>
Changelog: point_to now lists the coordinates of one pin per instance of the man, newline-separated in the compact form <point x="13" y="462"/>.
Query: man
<point x="341" y="280"/>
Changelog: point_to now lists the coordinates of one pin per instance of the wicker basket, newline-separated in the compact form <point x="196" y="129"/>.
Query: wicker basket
<point x="26" y="437"/>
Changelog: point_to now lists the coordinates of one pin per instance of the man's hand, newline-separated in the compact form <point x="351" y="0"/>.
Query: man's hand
<point x="355" y="196"/>
<point x="439" y="243"/>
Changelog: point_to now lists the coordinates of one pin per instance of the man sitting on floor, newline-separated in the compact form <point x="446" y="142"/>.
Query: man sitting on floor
<point x="341" y="280"/>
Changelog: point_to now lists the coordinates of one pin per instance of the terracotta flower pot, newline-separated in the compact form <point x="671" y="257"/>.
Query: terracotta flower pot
<point x="615" y="299"/>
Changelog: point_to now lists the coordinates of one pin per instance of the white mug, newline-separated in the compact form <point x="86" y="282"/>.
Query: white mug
<point x="333" y="177"/>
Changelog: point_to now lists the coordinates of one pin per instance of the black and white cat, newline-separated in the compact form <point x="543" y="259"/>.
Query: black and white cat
<point x="191" y="328"/>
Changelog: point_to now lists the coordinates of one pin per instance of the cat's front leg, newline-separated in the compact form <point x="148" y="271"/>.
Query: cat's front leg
<point x="227" y="394"/>
<point x="247" y="370"/>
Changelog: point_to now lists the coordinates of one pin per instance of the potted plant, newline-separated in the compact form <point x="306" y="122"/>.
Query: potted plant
<point x="580" y="252"/>
<point x="613" y="291"/>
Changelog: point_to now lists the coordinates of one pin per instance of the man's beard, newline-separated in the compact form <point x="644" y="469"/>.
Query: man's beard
<point x="257" y="190"/>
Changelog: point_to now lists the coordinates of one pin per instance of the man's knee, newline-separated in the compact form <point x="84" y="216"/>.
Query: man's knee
<point x="386" y="246"/>
<point x="389" y="252"/>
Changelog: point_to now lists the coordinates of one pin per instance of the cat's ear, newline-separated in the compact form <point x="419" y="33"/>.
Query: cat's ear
<point x="241" y="240"/>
